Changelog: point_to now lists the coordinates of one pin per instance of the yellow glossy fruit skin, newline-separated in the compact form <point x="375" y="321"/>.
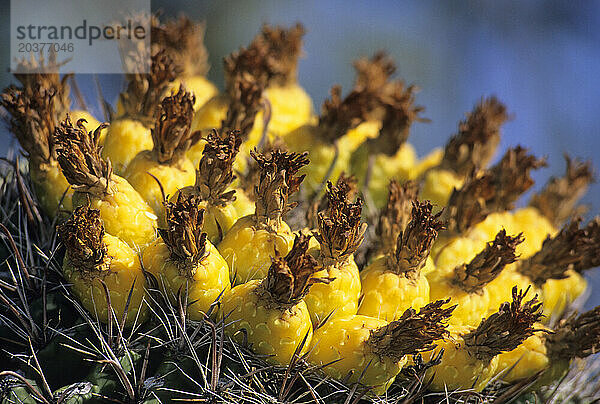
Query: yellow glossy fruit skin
<point x="398" y="166"/>
<point x="248" y="250"/>
<point x="171" y="177"/>
<point x="343" y="340"/>
<point x="198" y="85"/>
<point x="339" y="297"/>
<point x="438" y="187"/>
<point x="500" y="289"/>
<point x="49" y="185"/>
<point x="92" y="123"/>
<point x="387" y="294"/>
<point x="243" y="205"/>
<point x="124" y="270"/>
<point x="526" y="360"/>
<point x="470" y="309"/>
<point x="458" y="369"/>
<point x="535" y="227"/>
<point x="125" y="138"/>
<point x="449" y="253"/>
<point x="272" y="331"/>
<point x="210" y="277"/>
<point x="433" y="159"/>
<point x="557" y="294"/>
<point x="291" y="107"/>
<point x="124" y="212"/>
<point x="210" y="116"/>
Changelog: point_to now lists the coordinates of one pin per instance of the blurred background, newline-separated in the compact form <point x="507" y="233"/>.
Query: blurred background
<point x="541" y="57"/>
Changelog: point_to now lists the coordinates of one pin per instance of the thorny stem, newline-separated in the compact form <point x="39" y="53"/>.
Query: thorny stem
<point x="413" y="244"/>
<point x="505" y="329"/>
<point x="477" y="139"/>
<point x="83" y="237"/>
<point x="577" y="336"/>
<point x="278" y="181"/>
<point x="396" y="214"/>
<point x="493" y="190"/>
<point x="558" y="200"/>
<point x="79" y="157"/>
<point x="412" y="333"/>
<point x="290" y="278"/>
<point x="572" y="248"/>
<point x="340" y="231"/>
<point x="171" y="135"/>
<point x="487" y="265"/>
<point x="183" y="235"/>
<point x="215" y="171"/>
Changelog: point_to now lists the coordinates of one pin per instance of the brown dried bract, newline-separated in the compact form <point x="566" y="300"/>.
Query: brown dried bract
<point x="183" y="40"/>
<point x="78" y="153"/>
<point x="399" y="112"/>
<point x="372" y="74"/>
<point x="251" y="177"/>
<point x="340" y="115"/>
<point x="278" y="181"/>
<point x="346" y="187"/>
<point x="414" y="243"/>
<point x="412" y="333"/>
<point x="171" y="135"/>
<point x="477" y="139"/>
<point x="245" y="97"/>
<point x="215" y="171"/>
<point x="183" y="234"/>
<point x="284" y="48"/>
<point x="83" y="237"/>
<point x="572" y="248"/>
<point x="145" y="91"/>
<point x="577" y="336"/>
<point x="493" y="190"/>
<point x="396" y="214"/>
<point x="558" y="200"/>
<point x="340" y="230"/>
<point x="290" y="277"/>
<point x="488" y="264"/>
<point x="506" y="329"/>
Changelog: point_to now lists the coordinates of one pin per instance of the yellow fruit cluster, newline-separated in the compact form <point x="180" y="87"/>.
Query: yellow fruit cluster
<point x="449" y="264"/>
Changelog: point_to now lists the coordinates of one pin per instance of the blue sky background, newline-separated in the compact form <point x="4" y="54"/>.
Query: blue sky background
<point x="541" y="57"/>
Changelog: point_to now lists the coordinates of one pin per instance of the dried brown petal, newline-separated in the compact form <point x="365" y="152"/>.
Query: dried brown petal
<point x="412" y="333"/>
<point x="372" y="74"/>
<point x="278" y="180"/>
<point x="183" y="234"/>
<point x="171" y="135"/>
<point x="340" y="230"/>
<point x="345" y="188"/>
<point x="245" y="95"/>
<point x="396" y="215"/>
<point x="558" y="200"/>
<point x="79" y="157"/>
<point x="575" y="337"/>
<point x="488" y="264"/>
<point x="290" y="278"/>
<point x="414" y="243"/>
<point x="284" y="49"/>
<point x="251" y="177"/>
<point x="505" y="329"/>
<point x="477" y="139"/>
<point x="83" y="237"/>
<point x="572" y="248"/>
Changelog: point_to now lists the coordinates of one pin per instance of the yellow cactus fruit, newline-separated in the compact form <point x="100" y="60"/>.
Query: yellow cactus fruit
<point x="473" y="146"/>
<point x="431" y="160"/>
<point x="388" y="155"/>
<point x="470" y="357"/>
<point x="394" y="282"/>
<point x="124" y="212"/>
<point x="549" y="352"/>
<point x="270" y="314"/>
<point x="160" y="172"/>
<point x="370" y="351"/>
<point x="340" y="233"/>
<point x="34" y="109"/>
<point x="184" y="262"/>
<point x="213" y="179"/>
<point x="250" y="244"/>
<point x="535" y="228"/>
<point x="183" y="40"/>
<point x="92" y="122"/>
<point x="130" y="133"/>
<point x="105" y="273"/>
<point x="561" y="258"/>
<point x="466" y="285"/>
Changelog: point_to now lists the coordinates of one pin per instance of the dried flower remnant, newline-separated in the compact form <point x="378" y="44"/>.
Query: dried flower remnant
<point x="397" y="213"/>
<point x="373" y="74"/>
